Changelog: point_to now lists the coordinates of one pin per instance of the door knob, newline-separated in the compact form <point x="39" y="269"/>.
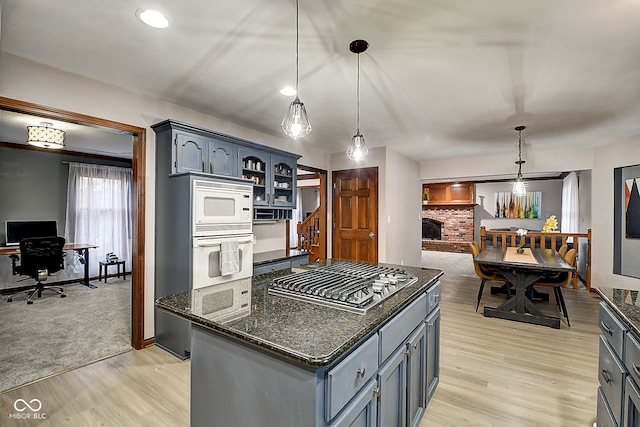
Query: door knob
<point x="372" y="235"/>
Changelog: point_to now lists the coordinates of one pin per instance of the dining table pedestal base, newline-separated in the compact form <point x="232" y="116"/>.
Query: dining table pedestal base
<point x="519" y="307"/>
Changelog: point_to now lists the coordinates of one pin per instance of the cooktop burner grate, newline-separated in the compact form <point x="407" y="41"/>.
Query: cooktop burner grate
<point x="345" y="285"/>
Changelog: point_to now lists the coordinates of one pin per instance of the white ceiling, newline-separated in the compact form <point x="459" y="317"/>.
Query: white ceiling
<point x="441" y="79"/>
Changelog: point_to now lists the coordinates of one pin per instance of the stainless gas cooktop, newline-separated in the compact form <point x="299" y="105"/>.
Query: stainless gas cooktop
<point x="344" y="285"/>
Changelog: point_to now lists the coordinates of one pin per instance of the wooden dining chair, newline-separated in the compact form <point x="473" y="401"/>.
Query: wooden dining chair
<point x="561" y="281"/>
<point x="562" y="250"/>
<point x="484" y="273"/>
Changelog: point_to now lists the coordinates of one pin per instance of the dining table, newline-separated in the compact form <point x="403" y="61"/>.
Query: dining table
<point x="523" y="269"/>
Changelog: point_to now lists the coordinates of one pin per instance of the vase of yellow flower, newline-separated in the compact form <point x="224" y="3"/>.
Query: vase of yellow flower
<point x="550" y="225"/>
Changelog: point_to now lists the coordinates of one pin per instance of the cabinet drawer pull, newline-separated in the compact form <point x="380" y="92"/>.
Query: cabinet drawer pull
<point x="606" y="328"/>
<point x="606" y="376"/>
<point x="361" y="372"/>
<point x="636" y="369"/>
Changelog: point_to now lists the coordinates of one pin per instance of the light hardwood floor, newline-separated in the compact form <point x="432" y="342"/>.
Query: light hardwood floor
<point x="493" y="373"/>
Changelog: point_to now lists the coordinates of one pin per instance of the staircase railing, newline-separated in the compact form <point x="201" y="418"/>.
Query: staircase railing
<point x="309" y="235"/>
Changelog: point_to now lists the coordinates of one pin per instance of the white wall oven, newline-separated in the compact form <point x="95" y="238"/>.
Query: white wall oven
<point x="223" y="302"/>
<point x="221" y="208"/>
<point x="222" y="249"/>
<point x="208" y="259"/>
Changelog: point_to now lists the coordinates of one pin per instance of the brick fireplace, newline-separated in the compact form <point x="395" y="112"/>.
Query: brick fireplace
<point x="456" y="228"/>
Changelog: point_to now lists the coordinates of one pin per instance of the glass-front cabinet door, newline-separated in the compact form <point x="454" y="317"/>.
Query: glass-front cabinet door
<point x="284" y="182"/>
<point x="255" y="167"/>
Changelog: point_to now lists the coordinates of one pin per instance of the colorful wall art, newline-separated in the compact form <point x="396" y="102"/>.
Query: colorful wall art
<point x="632" y="209"/>
<point x="509" y="206"/>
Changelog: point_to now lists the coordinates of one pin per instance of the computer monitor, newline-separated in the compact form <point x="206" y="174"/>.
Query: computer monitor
<point x="18" y="230"/>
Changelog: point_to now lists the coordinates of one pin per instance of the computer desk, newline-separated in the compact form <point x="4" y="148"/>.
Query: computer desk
<point x="81" y="248"/>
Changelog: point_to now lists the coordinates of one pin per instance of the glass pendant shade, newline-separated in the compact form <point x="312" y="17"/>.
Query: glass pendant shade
<point x="45" y="136"/>
<point x="296" y="122"/>
<point x="519" y="188"/>
<point x="357" y="150"/>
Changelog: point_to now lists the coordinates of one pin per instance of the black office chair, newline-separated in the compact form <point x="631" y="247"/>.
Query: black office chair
<point x="39" y="257"/>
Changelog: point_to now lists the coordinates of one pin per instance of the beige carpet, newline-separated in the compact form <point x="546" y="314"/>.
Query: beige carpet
<point x="56" y="334"/>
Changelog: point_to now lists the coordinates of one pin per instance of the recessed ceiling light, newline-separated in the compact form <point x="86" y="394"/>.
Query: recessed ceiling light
<point x="153" y="18"/>
<point x="288" y="91"/>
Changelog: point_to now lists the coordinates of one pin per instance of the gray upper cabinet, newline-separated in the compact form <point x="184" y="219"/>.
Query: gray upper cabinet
<point x="182" y="148"/>
<point x="194" y="153"/>
<point x="190" y="154"/>
<point x="223" y="158"/>
<point x="273" y="175"/>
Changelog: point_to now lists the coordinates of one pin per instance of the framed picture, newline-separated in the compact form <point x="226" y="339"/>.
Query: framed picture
<point x="626" y="221"/>
<point x="509" y="206"/>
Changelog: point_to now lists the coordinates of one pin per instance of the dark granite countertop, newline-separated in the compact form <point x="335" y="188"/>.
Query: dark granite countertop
<point x="626" y="303"/>
<point x="277" y="255"/>
<point x="306" y="333"/>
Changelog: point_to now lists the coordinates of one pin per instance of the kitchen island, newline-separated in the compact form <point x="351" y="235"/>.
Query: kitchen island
<point x="293" y="363"/>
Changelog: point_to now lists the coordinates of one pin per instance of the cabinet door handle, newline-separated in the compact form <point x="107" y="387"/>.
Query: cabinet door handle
<point x="211" y="167"/>
<point x="376" y="392"/>
<point x="361" y="372"/>
<point x="606" y="376"/>
<point x="606" y="328"/>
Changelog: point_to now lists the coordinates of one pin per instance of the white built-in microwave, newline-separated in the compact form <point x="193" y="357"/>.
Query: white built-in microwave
<point x="222" y="208"/>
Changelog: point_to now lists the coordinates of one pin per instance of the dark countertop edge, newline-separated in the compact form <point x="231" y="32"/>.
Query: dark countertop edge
<point x="619" y="312"/>
<point x="278" y="255"/>
<point x="305" y="359"/>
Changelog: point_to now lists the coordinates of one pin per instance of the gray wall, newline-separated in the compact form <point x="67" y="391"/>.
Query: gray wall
<point x="310" y="199"/>
<point x="33" y="186"/>
<point x="484" y="210"/>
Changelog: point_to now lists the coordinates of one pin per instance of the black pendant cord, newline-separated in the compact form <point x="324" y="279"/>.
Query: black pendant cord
<point x="297" y="42"/>
<point x="358" y="98"/>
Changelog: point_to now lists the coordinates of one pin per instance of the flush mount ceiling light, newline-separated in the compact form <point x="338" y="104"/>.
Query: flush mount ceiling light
<point x="358" y="150"/>
<point x="288" y="91"/>
<point x="153" y="18"/>
<point x="296" y="122"/>
<point x="519" y="188"/>
<point x="45" y="136"/>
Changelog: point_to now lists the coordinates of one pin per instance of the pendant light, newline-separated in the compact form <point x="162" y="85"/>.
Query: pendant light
<point x="296" y="122"/>
<point x="518" y="186"/>
<point x="358" y="150"/>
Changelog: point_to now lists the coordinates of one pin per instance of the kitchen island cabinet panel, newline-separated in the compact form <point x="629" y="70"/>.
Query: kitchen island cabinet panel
<point x="235" y="385"/>
<point x="292" y="363"/>
<point x="392" y="380"/>
<point x="611" y="374"/>
<point x="397" y="330"/>
<point x="416" y="375"/>
<point x="348" y="377"/>
<point x="363" y="411"/>
<point x="433" y="352"/>
<point x="605" y="417"/>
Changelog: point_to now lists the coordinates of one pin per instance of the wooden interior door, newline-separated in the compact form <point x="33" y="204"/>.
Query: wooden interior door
<point x="355" y="214"/>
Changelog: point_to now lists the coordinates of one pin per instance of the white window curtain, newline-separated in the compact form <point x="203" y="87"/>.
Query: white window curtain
<point x="297" y="216"/>
<point x="99" y="211"/>
<point x="570" y="221"/>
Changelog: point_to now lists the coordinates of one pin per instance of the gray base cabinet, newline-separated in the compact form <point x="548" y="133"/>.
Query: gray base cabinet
<point x="383" y="381"/>
<point x="618" y="372"/>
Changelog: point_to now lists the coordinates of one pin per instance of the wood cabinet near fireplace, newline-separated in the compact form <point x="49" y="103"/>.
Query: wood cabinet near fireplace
<point x="446" y="194"/>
